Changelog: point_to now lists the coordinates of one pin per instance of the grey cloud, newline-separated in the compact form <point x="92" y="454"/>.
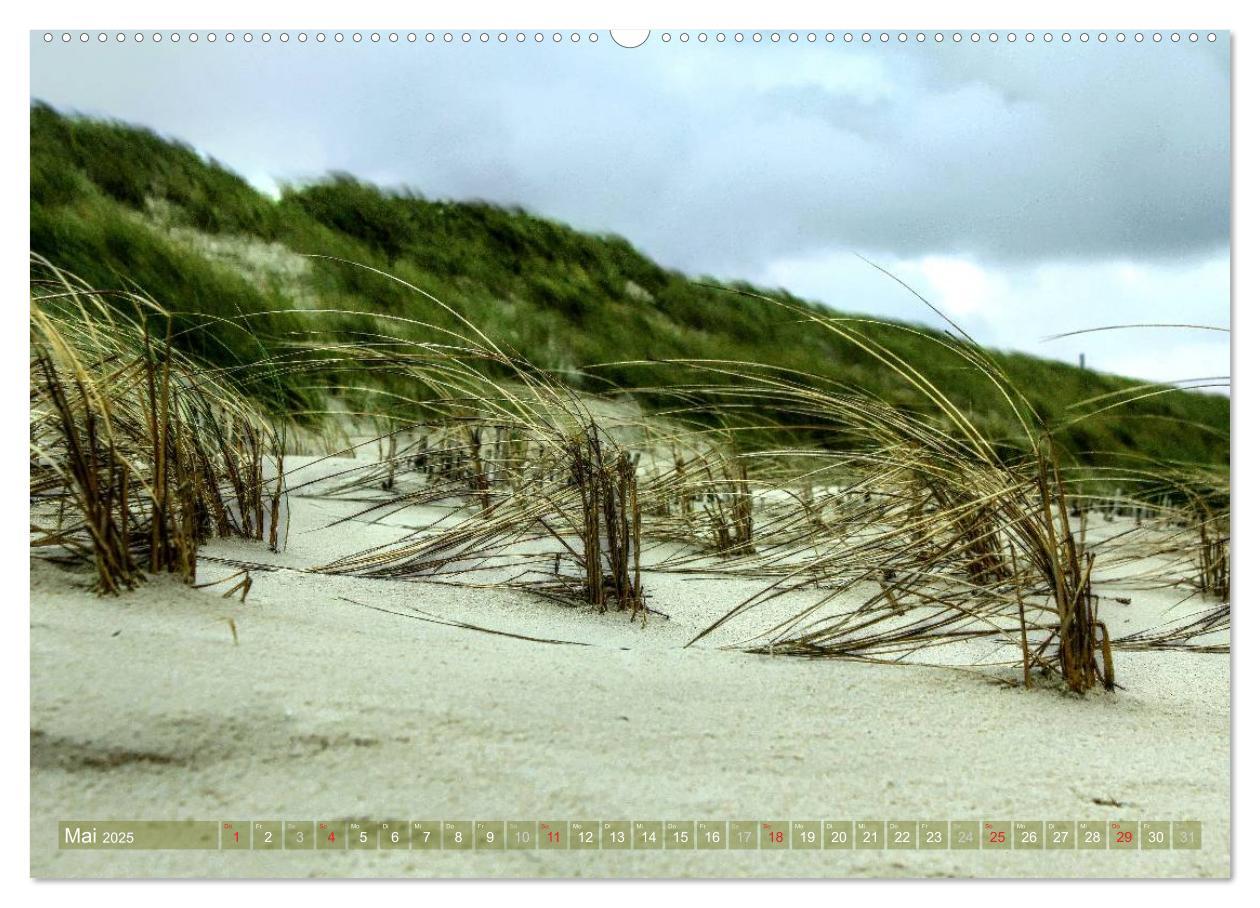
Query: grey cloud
<point x="723" y="159"/>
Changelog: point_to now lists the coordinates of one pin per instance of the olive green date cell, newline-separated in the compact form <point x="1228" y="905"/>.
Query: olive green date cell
<point x="775" y="834"/>
<point x="361" y="835"/>
<point x="1123" y="835"/>
<point x="1029" y="835"/>
<point x="1091" y="835"/>
<point x="743" y="835"/>
<point x="1060" y="834"/>
<point x="267" y="835"/>
<point x="649" y="834"/>
<point x="234" y="836"/>
<point x="710" y="835"/>
<point x="838" y="834"/>
<point x="1156" y="835"/>
<point x="457" y="835"/>
<point x="522" y="835"/>
<point x="299" y="835"/>
<point x="1187" y="834"/>
<point x="996" y="834"/>
<point x="393" y="835"/>
<point x="490" y="835"/>
<point x="426" y="835"/>
<point x="868" y="834"/>
<point x="806" y="834"/>
<point x="584" y="835"/>
<point x="680" y="835"/>
<point x="330" y="835"/>
<point x="933" y="835"/>
<point x="617" y="835"/>
<point x="553" y="834"/>
<point x="964" y="834"/>
<point x="902" y="834"/>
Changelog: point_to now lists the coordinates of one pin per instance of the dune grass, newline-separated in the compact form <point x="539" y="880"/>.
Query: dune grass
<point x="138" y="454"/>
<point x="914" y="529"/>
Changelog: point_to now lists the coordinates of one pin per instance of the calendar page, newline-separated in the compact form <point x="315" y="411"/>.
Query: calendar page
<point x="558" y="451"/>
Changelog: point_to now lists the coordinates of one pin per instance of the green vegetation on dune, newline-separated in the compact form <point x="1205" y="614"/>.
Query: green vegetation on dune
<point x="121" y="207"/>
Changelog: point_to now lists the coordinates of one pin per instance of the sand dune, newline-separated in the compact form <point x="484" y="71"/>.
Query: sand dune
<point x="344" y="697"/>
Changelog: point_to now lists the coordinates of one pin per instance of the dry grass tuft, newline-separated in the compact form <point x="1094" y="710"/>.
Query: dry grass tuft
<point x="137" y="455"/>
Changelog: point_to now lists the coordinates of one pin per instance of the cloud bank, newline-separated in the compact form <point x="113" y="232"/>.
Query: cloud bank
<point x="1027" y="189"/>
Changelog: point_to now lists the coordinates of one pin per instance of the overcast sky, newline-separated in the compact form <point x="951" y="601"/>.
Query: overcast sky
<point x="1026" y="189"/>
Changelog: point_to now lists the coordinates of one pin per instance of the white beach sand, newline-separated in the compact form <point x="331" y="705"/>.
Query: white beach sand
<point x="328" y="707"/>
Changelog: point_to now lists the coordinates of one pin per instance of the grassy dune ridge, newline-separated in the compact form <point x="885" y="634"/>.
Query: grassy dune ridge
<point x="121" y="207"/>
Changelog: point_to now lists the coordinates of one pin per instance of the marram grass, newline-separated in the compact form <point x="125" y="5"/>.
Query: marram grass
<point x="909" y="525"/>
<point x="138" y="455"/>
